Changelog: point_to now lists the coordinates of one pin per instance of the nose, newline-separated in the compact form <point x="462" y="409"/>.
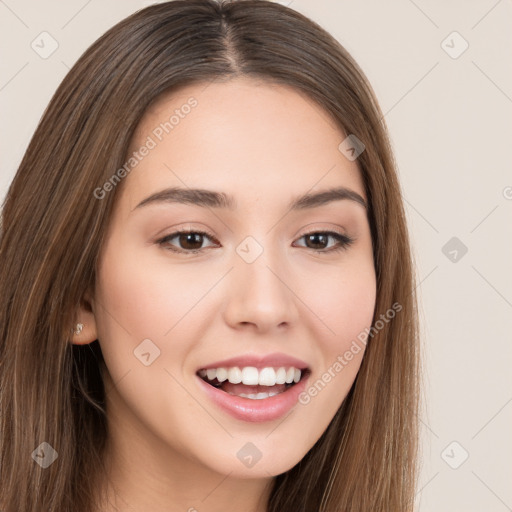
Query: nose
<point x="260" y="296"/>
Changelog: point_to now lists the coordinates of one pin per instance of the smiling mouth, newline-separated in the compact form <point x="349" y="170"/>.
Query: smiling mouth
<point x="253" y="390"/>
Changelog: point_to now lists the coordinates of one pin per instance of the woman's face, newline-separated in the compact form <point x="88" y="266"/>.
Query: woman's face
<point x="253" y="287"/>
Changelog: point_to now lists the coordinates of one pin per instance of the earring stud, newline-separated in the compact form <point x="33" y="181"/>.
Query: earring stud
<point x="78" y="329"/>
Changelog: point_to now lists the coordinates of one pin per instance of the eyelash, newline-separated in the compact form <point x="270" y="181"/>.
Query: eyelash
<point x="344" y="241"/>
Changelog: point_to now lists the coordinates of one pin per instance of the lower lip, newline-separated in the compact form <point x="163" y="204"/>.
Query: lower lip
<point x="247" y="409"/>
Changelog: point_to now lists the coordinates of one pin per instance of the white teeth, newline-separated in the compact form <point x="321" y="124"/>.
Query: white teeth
<point x="235" y="375"/>
<point x="267" y="377"/>
<point x="222" y="374"/>
<point x="290" y="374"/>
<point x="251" y="376"/>
<point x="281" y="376"/>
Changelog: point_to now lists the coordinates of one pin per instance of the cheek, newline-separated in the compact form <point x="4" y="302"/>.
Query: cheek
<point x="344" y="301"/>
<point x="343" y="304"/>
<point x="141" y="297"/>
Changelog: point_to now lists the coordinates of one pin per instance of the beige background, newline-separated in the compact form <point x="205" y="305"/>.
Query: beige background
<point x="451" y="125"/>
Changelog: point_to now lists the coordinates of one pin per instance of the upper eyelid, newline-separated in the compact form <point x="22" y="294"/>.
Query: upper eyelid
<point x="201" y="231"/>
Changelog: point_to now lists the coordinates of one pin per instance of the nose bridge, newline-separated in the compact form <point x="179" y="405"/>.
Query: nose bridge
<point x="259" y="292"/>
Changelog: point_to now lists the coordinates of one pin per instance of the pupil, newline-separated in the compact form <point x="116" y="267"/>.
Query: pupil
<point x="315" y="236"/>
<point x="189" y="237"/>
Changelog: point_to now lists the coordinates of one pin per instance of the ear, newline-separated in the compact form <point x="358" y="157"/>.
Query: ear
<point x="85" y="316"/>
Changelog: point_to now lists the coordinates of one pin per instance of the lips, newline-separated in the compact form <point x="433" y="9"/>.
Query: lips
<point x="258" y="361"/>
<point x="255" y="408"/>
<point x="253" y="387"/>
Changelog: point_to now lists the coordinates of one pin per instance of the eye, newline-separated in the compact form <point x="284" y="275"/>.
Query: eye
<point x="321" y="238"/>
<point x="191" y="241"/>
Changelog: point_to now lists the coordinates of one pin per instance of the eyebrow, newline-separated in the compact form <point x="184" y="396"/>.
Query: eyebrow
<point x="211" y="199"/>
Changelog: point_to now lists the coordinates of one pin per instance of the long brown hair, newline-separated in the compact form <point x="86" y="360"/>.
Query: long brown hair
<point x="53" y="228"/>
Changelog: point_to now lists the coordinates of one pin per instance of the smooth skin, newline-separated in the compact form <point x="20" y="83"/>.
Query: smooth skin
<point x="170" y="447"/>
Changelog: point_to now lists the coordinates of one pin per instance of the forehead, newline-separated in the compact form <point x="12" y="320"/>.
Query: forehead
<point x="244" y="136"/>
